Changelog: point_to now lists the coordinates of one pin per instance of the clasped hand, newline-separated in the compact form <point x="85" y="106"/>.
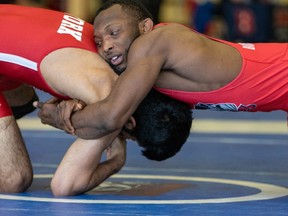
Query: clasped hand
<point x="57" y="113"/>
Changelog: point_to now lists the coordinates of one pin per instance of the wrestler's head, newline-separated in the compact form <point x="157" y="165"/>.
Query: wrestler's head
<point x="117" y="24"/>
<point x="160" y="125"/>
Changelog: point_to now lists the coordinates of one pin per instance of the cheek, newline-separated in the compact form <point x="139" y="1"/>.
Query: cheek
<point x="125" y="43"/>
<point x="100" y="52"/>
<point x="128" y="39"/>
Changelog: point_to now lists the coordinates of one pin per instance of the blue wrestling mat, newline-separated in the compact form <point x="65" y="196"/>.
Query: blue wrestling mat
<point x="232" y="164"/>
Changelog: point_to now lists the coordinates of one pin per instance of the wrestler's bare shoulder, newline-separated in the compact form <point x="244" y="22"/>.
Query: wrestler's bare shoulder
<point x="163" y="39"/>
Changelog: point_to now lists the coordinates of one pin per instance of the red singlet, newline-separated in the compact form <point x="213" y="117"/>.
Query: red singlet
<point x="28" y="35"/>
<point x="262" y="84"/>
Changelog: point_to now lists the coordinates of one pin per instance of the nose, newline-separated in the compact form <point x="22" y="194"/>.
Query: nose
<point x="107" y="45"/>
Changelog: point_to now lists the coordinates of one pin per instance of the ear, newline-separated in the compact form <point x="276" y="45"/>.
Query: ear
<point x="131" y="123"/>
<point x="146" y="26"/>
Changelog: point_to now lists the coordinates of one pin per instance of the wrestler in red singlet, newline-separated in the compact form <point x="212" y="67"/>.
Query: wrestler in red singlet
<point x="27" y="36"/>
<point x="262" y="84"/>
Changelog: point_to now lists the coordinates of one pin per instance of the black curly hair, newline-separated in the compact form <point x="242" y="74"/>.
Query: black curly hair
<point x="162" y="125"/>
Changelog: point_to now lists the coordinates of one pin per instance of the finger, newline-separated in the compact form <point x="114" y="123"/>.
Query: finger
<point x="38" y="104"/>
<point x="53" y="100"/>
<point x="66" y="116"/>
<point x="68" y="126"/>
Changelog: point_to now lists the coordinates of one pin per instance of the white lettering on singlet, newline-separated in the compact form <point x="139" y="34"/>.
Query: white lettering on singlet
<point x="72" y="26"/>
<point x="249" y="46"/>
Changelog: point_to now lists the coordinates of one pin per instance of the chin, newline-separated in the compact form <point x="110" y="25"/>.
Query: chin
<point x="118" y="70"/>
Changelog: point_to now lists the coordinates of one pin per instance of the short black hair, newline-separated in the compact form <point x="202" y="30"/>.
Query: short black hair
<point x="162" y="125"/>
<point x="133" y="7"/>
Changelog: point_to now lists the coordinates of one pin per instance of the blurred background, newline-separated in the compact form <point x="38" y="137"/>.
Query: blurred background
<point x="233" y="20"/>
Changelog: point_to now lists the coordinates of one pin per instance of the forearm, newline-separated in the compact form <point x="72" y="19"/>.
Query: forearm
<point x="94" y="121"/>
<point x="81" y="170"/>
<point x="116" y="157"/>
<point x="103" y="172"/>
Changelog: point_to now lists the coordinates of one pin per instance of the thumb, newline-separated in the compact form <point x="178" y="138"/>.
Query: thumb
<point x="53" y="100"/>
<point x="38" y="104"/>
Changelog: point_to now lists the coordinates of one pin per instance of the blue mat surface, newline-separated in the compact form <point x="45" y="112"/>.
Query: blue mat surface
<point x="216" y="173"/>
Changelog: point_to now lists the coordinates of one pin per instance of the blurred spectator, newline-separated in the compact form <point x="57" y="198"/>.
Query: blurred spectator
<point x="234" y="20"/>
<point x="280" y="21"/>
<point x="206" y="17"/>
<point x="241" y="20"/>
<point x="248" y="21"/>
<point x="22" y="2"/>
<point x="7" y="2"/>
<point x="174" y="11"/>
<point x="58" y="5"/>
<point x="202" y="15"/>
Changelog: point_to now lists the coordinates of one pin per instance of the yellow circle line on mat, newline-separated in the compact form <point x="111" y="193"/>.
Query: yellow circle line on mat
<point x="201" y="126"/>
<point x="267" y="191"/>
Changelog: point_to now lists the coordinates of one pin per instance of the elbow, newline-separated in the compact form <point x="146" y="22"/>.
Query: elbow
<point x="62" y="188"/>
<point x="113" y="117"/>
<point x="112" y="122"/>
<point x="116" y="120"/>
<point x="59" y="189"/>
